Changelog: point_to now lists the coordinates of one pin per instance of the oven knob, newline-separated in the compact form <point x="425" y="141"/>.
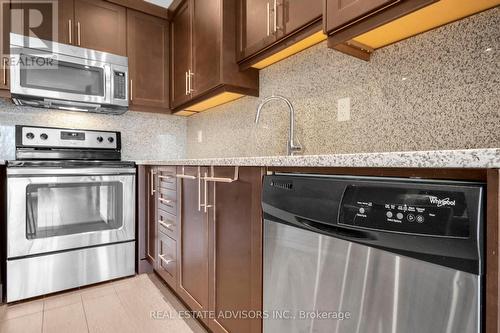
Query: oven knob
<point x="30" y="135"/>
<point x="100" y="139"/>
<point x="44" y="136"/>
<point x="110" y="139"/>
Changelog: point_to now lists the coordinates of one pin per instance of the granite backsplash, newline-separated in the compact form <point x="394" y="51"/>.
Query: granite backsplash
<point x="144" y="135"/>
<point x="437" y="90"/>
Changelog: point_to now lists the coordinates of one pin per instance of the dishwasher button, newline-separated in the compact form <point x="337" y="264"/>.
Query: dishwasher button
<point x="361" y="210"/>
<point x="388" y="214"/>
<point x="399" y="216"/>
<point x="420" y="219"/>
<point x="410" y="217"/>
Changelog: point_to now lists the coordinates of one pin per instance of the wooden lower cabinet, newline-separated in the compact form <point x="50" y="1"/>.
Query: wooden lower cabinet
<point x="151" y="228"/>
<point x="193" y="246"/>
<point x="235" y="270"/>
<point x="210" y="247"/>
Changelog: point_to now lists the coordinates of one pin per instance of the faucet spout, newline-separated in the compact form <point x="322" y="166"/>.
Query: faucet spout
<point x="292" y="147"/>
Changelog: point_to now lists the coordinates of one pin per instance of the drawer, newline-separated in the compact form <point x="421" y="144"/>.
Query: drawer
<point x="167" y="178"/>
<point x="167" y="223"/>
<point x="167" y="259"/>
<point x="167" y="201"/>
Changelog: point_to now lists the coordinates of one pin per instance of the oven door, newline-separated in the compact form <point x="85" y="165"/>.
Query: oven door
<point x="60" y="209"/>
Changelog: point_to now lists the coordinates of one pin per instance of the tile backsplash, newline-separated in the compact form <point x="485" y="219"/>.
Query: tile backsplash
<point x="437" y="90"/>
<point x="144" y="135"/>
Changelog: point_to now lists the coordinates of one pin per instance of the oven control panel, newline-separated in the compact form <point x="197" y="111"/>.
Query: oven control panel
<point x="406" y="210"/>
<point x="44" y="137"/>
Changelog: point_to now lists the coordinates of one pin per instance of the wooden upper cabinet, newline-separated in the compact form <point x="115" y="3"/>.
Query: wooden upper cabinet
<point x="4" y="47"/>
<point x="269" y="26"/>
<point x="180" y="54"/>
<point x="256" y="30"/>
<point x="193" y="243"/>
<point x="203" y="59"/>
<point x="45" y="30"/>
<point x="341" y="12"/>
<point x="147" y="50"/>
<point x="101" y="26"/>
<point x="206" y="45"/>
<point x="299" y="13"/>
<point x="346" y="19"/>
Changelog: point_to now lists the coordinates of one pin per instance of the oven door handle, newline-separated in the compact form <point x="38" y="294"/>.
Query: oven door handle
<point x="70" y="172"/>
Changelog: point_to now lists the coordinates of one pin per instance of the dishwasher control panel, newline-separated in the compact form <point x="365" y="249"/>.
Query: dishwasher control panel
<point x="406" y="210"/>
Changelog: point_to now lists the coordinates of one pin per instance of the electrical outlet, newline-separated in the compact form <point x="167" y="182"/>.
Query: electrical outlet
<point x="344" y="109"/>
<point x="200" y="136"/>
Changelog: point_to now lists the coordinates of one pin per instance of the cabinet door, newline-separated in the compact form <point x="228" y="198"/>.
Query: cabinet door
<point x="181" y="46"/>
<point x="26" y="12"/>
<point x="256" y="26"/>
<point x="4" y="45"/>
<point x="299" y="13"/>
<point x="147" y="46"/>
<point x="193" y="243"/>
<point x="206" y="44"/>
<point x="236" y="250"/>
<point x="101" y="26"/>
<point x="151" y="226"/>
<point x="341" y="12"/>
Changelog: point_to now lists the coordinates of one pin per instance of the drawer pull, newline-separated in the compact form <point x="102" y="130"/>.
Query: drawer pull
<point x="222" y="180"/>
<point x="186" y="176"/>
<point x="166" y="225"/>
<point x="165" y="260"/>
<point x="165" y="201"/>
<point x="165" y="177"/>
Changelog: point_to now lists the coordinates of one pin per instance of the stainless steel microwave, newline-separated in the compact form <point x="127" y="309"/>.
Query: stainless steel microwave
<point x="59" y="76"/>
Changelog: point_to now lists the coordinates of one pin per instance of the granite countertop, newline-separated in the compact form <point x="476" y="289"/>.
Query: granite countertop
<point x="466" y="158"/>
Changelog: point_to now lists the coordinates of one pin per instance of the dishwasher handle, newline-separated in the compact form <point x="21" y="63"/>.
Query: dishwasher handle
<point x="333" y="230"/>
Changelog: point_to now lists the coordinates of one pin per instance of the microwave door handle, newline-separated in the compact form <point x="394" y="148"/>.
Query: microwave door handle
<point x="108" y="89"/>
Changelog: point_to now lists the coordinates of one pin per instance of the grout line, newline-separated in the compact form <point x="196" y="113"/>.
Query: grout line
<point x="85" y="314"/>
<point x="43" y="315"/>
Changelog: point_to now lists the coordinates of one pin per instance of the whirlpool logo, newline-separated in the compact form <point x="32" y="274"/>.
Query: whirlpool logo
<point x="441" y="202"/>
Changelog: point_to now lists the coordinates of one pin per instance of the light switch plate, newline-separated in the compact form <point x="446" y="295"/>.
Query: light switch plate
<point x="200" y="136"/>
<point x="344" y="109"/>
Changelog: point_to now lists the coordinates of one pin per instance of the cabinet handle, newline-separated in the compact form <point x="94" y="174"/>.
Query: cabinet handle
<point x="152" y="189"/>
<point x="131" y="90"/>
<point x="166" y="225"/>
<point x="205" y="204"/>
<point x="185" y="176"/>
<point x="4" y="65"/>
<point x="165" y="260"/>
<point x="275" y="14"/>
<point x="214" y="179"/>
<point x="199" y="189"/>
<point x="190" y="75"/>
<point x="79" y="36"/>
<point x="186" y="89"/>
<point x="165" y="177"/>
<point x="70" y="33"/>
<point x="268" y="23"/>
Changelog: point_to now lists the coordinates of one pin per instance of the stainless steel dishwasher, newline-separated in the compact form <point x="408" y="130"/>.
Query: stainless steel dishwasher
<point x="356" y="255"/>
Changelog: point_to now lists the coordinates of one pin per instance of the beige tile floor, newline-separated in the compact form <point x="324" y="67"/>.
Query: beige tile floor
<point x="119" y="306"/>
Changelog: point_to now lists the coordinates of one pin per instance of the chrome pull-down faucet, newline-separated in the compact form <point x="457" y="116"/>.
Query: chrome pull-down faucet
<point x="292" y="147"/>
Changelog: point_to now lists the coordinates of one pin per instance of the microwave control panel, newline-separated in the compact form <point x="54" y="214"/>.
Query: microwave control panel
<point x="120" y="85"/>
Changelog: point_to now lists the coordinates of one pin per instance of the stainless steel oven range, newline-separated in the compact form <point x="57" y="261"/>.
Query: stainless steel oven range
<point x="70" y="211"/>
